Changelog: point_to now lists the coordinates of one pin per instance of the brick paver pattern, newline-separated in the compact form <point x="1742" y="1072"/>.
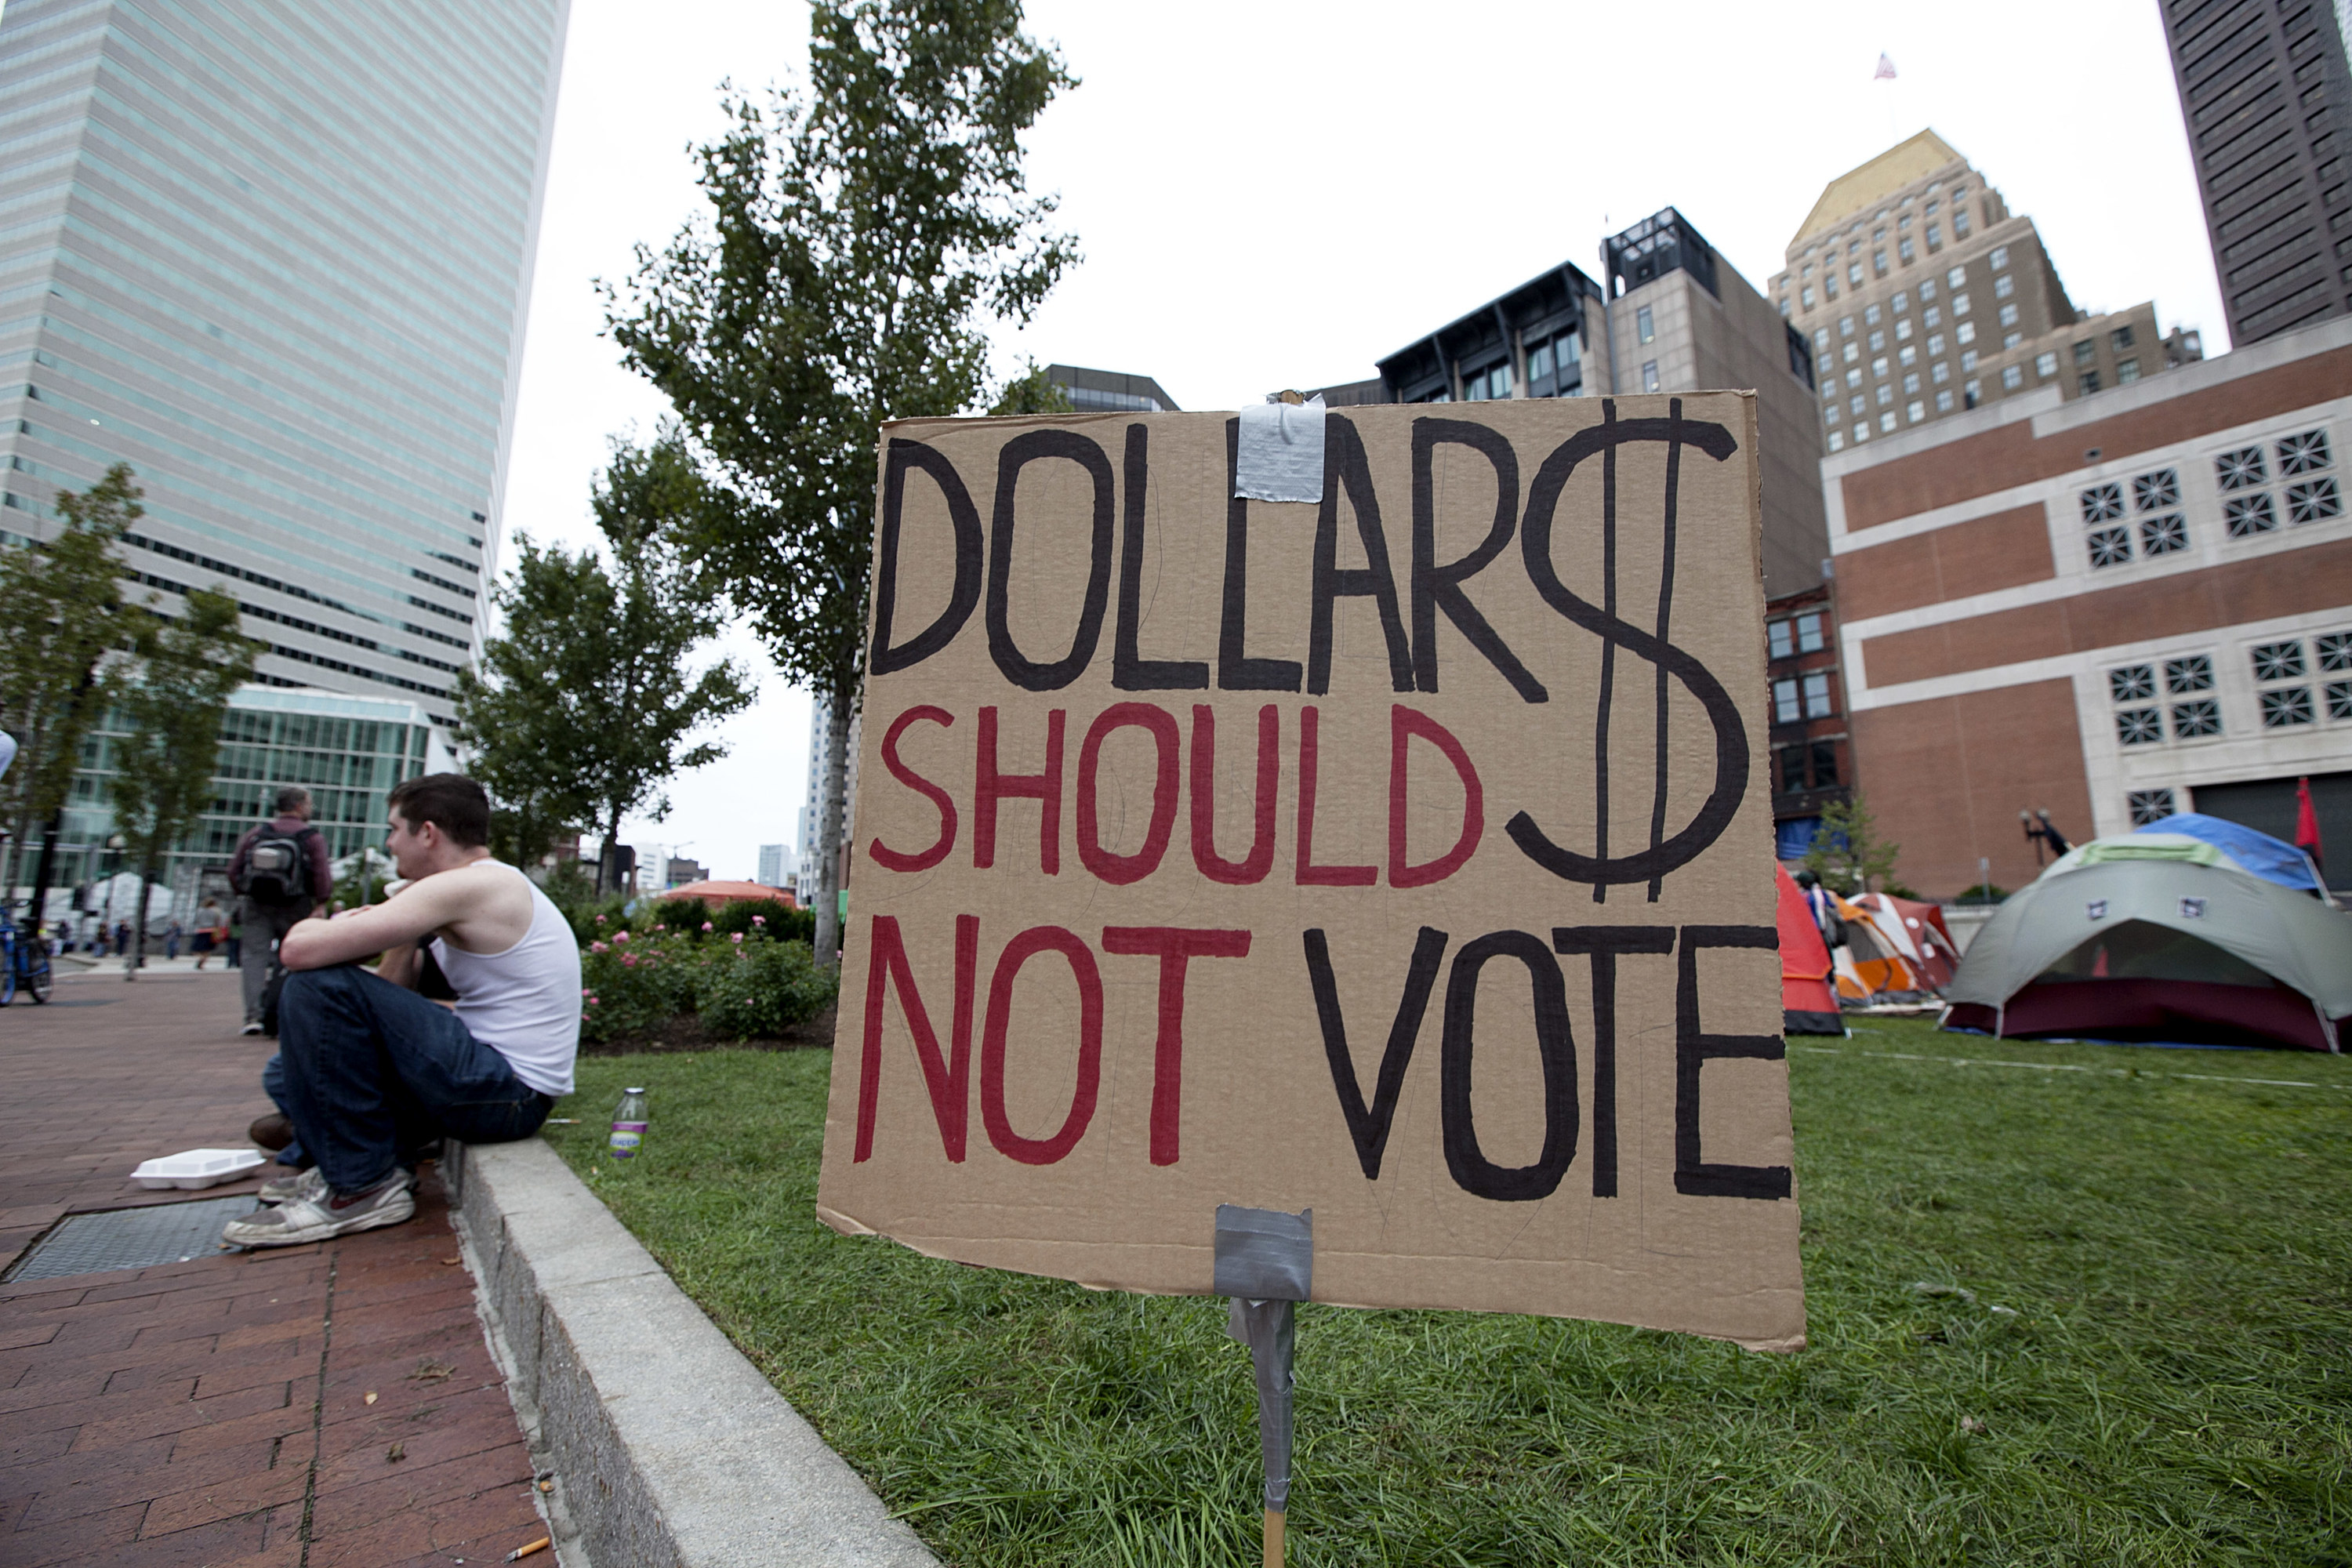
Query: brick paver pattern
<point x="331" y="1405"/>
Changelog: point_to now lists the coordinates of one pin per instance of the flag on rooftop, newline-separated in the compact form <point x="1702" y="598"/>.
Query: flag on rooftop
<point x="1886" y="71"/>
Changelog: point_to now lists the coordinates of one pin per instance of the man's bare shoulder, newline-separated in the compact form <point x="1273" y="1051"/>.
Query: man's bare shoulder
<point x="485" y="906"/>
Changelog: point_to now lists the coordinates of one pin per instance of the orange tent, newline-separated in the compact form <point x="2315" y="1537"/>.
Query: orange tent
<point x="1896" y="950"/>
<point x="1808" y="1005"/>
<point x="730" y="892"/>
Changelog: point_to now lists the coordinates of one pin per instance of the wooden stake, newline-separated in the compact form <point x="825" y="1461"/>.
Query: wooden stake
<point x="1274" y="1538"/>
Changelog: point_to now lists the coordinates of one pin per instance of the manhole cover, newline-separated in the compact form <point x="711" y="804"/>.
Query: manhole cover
<point x="130" y="1238"/>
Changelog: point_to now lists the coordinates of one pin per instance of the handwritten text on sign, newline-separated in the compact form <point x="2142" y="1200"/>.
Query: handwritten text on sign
<point x="1185" y="901"/>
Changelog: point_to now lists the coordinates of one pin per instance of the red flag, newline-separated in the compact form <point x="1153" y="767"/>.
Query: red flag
<point x="2306" y="822"/>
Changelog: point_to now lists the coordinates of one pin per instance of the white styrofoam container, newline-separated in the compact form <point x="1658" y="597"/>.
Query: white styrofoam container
<point x="197" y="1168"/>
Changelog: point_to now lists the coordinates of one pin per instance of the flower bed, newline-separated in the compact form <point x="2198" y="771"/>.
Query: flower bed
<point x="740" y="985"/>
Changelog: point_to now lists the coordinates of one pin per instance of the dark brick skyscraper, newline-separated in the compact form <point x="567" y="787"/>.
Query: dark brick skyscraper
<point x="2267" y="94"/>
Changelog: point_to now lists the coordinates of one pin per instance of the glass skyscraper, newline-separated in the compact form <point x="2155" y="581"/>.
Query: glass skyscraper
<point x="275" y="256"/>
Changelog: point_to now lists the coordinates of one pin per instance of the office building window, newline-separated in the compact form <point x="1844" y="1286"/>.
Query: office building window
<point x="2088" y="383"/>
<point x="1885" y="394"/>
<point x="2046" y="364"/>
<point x="2193" y="718"/>
<point x="1853" y="352"/>
<point x="1781" y="636"/>
<point x="1862" y="432"/>
<point x="2009" y="314"/>
<point x="1935" y="237"/>
<point x="1538" y="361"/>
<point x="1642" y="325"/>
<point x="2132" y="683"/>
<point x="1939" y="373"/>
<point x="1821" y="340"/>
<point x="1807" y="291"/>
<point x="2155" y="491"/>
<point x="2313" y="500"/>
<point x="1968" y="359"/>
<point x="1878" y="262"/>
<point x="1935" y="343"/>
<point x="1872" y="316"/>
<point x="1917" y="411"/>
<point x="2139" y="726"/>
<point x="1498" y="381"/>
<point x="1957" y="276"/>
<point x="1786" y="705"/>
<point x="1784" y="304"/>
<point x="1854" y="275"/>
<point x="1926" y="292"/>
<point x="1837" y="440"/>
<point x="2279" y="661"/>
<point x="1902" y="328"/>
<point x="1877" y="341"/>
<point x="2011" y="340"/>
<point x="2126" y="371"/>
<point x="2151" y="805"/>
<point x="1905" y="250"/>
<point x="1944" y="399"/>
<point x="2305" y="454"/>
<point x="2246" y="516"/>
<point x="1970" y="391"/>
<point x="1845" y="326"/>
<point x="1911" y="385"/>
<point x="2132" y="689"/>
<point x="1965" y="332"/>
<point x="2163" y="535"/>
<point x="1934" y="315"/>
<point x="2102" y="503"/>
<point x="1960" y="221"/>
<point x="2086" y="352"/>
<point x="1855" y="407"/>
<point x="1854" y="378"/>
<point x="1817" y="696"/>
<point x="1878" y="365"/>
<point x="2012" y="376"/>
<point x="1810" y="637"/>
<point x="2122" y="338"/>
<point x="1829" y="409"/>
<point x="1650" y="375"/>
<point x="1829" y="287"/>
<point x="2003" y="286"/>
<point x="1886" y="423"/>
<point x="2190" y="673"/>
<point x="1999" y="257"/>
<point x="2242" y="469"/>
<point x="1910" y="354"/>
<point x="1960" y="303"/>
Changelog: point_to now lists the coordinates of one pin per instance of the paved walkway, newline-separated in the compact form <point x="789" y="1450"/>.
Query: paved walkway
<point x="324" y="1406"/>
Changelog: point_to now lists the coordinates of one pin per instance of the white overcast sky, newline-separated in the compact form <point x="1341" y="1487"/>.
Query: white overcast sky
<point x="1273" y="195"/>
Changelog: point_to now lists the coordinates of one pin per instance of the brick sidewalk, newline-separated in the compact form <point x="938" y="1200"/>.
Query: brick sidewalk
<point x="331" y="1405"/>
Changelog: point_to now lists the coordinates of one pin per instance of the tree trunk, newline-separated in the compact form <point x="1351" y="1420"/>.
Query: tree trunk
<point x="828" y="846"/>
<point x="43" y="871"/>
<point x="612" y="845"/>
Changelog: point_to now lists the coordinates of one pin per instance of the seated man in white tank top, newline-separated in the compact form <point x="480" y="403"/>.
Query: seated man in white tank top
<point x="374" y="1070"/>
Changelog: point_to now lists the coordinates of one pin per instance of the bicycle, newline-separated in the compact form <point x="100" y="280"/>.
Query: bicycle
<point x="24" y="965"/>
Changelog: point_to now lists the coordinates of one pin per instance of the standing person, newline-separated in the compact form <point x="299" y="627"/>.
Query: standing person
<point x="236" y="937"/>
<point x="171" y="937"/>
<point x="370" y="1072"/>
<point x="211" y="925"/>
<point x="280" y="868"/>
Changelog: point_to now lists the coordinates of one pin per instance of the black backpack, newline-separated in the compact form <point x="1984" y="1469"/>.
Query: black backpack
<point x="277" y="868"/>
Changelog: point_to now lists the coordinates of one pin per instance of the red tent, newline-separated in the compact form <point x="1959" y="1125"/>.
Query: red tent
<point x="1808" y="1005"/>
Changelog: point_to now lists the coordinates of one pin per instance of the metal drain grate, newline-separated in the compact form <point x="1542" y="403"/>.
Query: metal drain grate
<point x="130" y="1238"/>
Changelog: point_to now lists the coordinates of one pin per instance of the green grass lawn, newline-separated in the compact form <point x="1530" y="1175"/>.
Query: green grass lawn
<point x="2135" y="1346"/>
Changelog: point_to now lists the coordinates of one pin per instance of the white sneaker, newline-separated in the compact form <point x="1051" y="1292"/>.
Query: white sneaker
<point x="310" y="1184"/>
<point x="304" y="1220"/>
<point x="252" y="1028"/>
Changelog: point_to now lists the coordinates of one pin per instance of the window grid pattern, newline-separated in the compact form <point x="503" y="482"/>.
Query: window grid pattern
<point x="2179" y="690"/>
<point x="2281" y="669"/>
<point x="2151" y="805"/>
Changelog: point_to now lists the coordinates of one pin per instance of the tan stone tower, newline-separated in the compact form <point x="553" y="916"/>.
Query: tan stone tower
<point x="1923" y="295"/>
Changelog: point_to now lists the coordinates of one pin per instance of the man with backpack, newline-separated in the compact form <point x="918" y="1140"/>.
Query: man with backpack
<point x="280" y="870"/>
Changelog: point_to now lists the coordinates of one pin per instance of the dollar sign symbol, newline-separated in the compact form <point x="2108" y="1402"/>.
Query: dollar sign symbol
<point x="1663" y="854"/>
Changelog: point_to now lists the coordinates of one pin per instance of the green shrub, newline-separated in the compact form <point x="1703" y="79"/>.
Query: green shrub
<point x="761" y="989"/>
<point x="747" y="985"/>
<point x="688" y="915"/>
<point x="773" y="916"/>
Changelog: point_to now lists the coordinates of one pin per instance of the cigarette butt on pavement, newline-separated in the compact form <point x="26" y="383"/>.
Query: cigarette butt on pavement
<point x="522" y="1552"/>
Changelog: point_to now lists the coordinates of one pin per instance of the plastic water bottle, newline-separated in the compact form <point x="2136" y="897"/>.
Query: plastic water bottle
<point x="629" y="1119"/>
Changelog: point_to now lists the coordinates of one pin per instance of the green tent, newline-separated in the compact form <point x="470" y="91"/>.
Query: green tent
<point x="2158" y="936"/>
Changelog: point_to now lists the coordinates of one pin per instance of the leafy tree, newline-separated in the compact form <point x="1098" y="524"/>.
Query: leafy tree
<point x="65" y="610"/>
<point x="172" y="697"/>
<point x="1847" y="854"/>
<point x="1031" y="393"/>
<point x="585" y="703"/>
<point x="859" y="241"/>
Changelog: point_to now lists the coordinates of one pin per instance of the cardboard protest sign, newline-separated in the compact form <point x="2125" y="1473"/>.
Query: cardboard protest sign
<point x="1405" y="857"/>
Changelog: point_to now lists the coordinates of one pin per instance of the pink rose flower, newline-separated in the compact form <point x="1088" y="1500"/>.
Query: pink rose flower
<point x="600" y="920"/>
<point x="706" y="925"/>
<point x="629" y="961"/>
<point x="758" y="920"/>
<point x="624" y="936"/>
<point x="600" y="947"/>
<point x="739" y="939"/>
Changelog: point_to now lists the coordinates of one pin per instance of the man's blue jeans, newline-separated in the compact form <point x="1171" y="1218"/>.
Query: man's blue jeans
<point x="373" y="1070"/>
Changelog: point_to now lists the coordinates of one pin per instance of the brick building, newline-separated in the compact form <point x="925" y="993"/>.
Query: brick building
<point x="1812" y="764"/>
<point x="2112" y="607"/>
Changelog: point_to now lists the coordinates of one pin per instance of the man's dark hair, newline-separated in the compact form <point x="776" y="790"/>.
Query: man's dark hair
<point x="450" y="802"/>
<point x="292" y="799"/>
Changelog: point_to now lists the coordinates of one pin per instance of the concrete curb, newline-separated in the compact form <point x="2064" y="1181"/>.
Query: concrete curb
<point x="672" y="1450"/>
